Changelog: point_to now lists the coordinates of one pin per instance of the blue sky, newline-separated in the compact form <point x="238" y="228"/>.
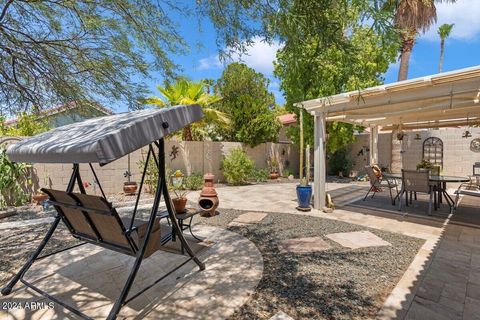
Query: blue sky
<point x="462" y="49"/>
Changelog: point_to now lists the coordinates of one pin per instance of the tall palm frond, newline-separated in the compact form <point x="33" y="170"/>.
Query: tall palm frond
<point x="188" y="92"/>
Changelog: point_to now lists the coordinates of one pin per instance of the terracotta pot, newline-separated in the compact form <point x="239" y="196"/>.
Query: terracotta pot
<point x="130" y="187"/>
<point x="274" y="175"/>
<point x="180" y="205"/>
<point x="39" y="198"/>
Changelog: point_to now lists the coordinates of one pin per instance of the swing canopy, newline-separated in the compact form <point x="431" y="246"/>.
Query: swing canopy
<point x="104" y="139"/>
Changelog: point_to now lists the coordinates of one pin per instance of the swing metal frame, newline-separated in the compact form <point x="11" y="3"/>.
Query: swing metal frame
<point x="123" y="298"/>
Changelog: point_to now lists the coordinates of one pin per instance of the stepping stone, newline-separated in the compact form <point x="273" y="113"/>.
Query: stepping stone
<point x="357" y="239"/>
<point x="303" y="245"/>
<point x="247" y="219"/>
<point x="280" y="315"/>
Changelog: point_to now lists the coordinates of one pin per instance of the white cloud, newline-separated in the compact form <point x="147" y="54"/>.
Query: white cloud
<point x="211" y="62"/>
<point x="465" y="14"/>
<point x="259" y="56"/>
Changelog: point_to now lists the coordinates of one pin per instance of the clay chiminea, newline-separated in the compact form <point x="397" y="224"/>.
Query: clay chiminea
<point x="208" y="201"/>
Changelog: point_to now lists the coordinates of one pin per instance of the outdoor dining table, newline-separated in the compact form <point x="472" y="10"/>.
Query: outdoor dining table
<point x="440" y="180"/>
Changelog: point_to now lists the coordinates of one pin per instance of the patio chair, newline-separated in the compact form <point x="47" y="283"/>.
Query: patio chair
<point x="416" y="181"/>
<point x="464" y="191"/>
<point x="377" y="182"/>
<point x="475" y="177"/>
<point x="437" y="186"/>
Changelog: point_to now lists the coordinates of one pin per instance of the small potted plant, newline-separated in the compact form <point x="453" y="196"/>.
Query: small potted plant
<point x="178" y="187"/>
<point x="424" y="164"/>
<point x="39" y="197"/>
<point x="129" y="187"/>
<point x="274" y="169"/>
<point x="304" y="189"/>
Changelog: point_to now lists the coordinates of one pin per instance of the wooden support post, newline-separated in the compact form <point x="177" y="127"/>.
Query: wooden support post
<point x="319" y="176"/>
<point x="373" y="145"/>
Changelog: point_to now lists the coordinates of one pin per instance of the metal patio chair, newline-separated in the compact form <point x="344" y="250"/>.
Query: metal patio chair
<point x="416" y="181"/>
<point x="377" y="183"/>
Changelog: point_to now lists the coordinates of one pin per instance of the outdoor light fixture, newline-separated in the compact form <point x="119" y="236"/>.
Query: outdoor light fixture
<point x="417" y="135"/>
<point x="467" y="134"/>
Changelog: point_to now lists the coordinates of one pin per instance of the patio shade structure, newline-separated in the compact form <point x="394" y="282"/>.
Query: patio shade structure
<point x="92" y="219"/>
<point x="449" y="99"/>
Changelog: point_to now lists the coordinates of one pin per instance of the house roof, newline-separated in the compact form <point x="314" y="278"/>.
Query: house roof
<point x="65" y="107"/>
<point x="440" y="100"/>
<point x="288" y="118"/>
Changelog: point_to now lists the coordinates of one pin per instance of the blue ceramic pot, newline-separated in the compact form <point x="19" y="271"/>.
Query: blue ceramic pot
<point x="304" y="195"/>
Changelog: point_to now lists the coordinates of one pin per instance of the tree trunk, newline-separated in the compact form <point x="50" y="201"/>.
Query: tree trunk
<point x="442" y="51"/>
<point x="408" y="40"/>
<point x="187" y="133"/>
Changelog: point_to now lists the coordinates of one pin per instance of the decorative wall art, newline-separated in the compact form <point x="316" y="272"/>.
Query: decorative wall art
<point x="475" y="145"/>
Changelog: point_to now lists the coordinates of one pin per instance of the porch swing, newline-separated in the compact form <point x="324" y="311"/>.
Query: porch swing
<point x="92" y="219"/>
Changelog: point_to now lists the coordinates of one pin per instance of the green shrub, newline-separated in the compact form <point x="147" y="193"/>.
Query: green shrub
<point x="237" y="167"/>
<point x="194" y="181"/>
<point x="287" y="173"/>
<point x="260" y="175"/>
<point x="340" y="162"/>
<point x="13" y="182"/>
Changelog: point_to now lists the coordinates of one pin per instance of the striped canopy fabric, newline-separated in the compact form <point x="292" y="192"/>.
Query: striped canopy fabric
<point x="104" y="139"/>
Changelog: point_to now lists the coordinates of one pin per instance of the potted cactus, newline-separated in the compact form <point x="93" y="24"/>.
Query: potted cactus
<point x="304" y="189"/>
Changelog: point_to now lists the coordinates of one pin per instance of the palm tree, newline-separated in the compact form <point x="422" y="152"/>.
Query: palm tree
<point x="184" y="91"/>
<point x="411" y="17"/>
<point x="444" y="32"/>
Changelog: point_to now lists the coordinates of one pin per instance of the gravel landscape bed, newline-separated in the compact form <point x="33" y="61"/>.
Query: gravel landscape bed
<point x="339" y="283"/>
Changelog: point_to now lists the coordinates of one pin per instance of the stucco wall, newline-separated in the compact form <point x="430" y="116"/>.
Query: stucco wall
<point x="190" y="157"/>
<point x="458" y="159"/>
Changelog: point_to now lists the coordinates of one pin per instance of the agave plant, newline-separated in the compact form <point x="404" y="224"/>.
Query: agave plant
<point x="187" y="92"/>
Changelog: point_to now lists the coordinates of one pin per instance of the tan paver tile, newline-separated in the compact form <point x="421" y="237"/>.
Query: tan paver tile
<point x="304" y="245"/>
<point x="357" y="239"/>
<point x="248" y="218"/>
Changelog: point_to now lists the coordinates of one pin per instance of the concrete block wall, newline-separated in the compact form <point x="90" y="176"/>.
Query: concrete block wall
<point x="458" y="159"/>
<point x="358" y="154"/>
<point x="190" y="157"/>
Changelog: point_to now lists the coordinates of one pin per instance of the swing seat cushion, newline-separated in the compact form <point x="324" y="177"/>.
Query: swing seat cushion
<point x="93" y="219"/>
